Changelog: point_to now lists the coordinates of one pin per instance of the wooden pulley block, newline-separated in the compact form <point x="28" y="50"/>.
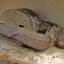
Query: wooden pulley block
<point x="24" y="18"/>
<point x="27" y="19"/>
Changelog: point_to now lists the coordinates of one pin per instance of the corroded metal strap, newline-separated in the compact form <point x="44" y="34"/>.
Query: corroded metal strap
<point x="31" y="39"/>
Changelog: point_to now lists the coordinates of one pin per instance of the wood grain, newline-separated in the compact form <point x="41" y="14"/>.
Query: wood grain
<point x="31" y="39"/>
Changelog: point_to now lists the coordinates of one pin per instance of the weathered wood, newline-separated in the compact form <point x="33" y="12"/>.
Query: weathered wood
<point x="31" y="39"/>
<point x="23" y="17"/>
